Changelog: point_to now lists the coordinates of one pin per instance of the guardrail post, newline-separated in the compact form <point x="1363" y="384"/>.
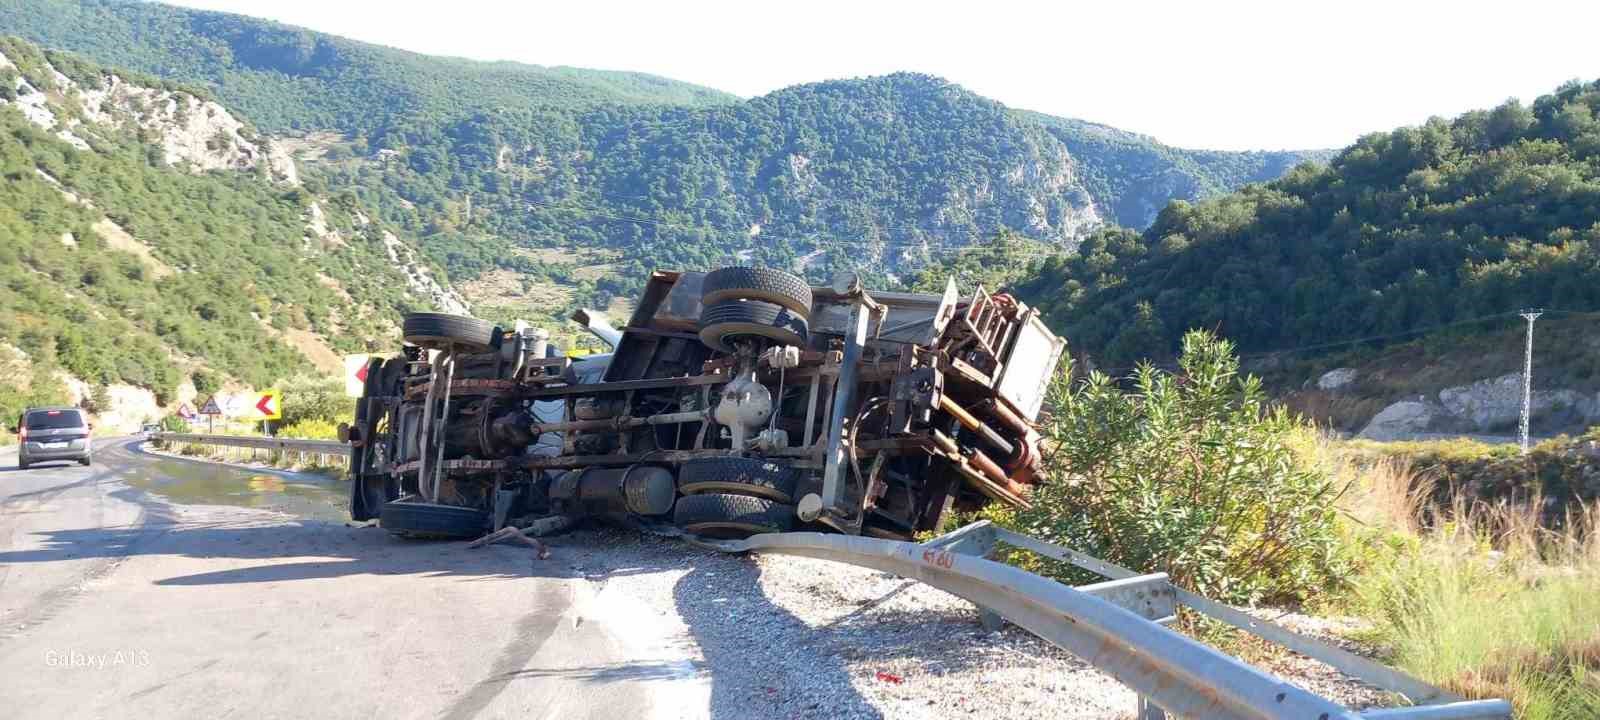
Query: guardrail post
<point x="976" y="540"/>
<point x="1149" y="711"/>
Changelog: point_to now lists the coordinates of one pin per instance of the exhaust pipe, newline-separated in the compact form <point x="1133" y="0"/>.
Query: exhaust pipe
<point x="596" y="322"/>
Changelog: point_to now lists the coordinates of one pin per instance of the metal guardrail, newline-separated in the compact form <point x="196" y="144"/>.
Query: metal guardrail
<point x="1118" y="626"/>
<point x="258" y="442"/>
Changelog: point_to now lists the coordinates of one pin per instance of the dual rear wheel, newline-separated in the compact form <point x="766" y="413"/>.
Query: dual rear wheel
<point x="743" y="307"/>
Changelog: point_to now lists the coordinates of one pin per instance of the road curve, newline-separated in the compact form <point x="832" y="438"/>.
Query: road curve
<point x="117" y="603"/>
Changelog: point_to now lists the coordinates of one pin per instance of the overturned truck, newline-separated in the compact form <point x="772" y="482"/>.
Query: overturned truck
<point x="733" y="402"/>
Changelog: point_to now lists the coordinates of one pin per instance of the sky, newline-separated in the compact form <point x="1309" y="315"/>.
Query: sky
<point x="1287" y="74"/>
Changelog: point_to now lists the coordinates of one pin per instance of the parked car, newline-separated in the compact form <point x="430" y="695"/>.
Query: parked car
<point x="738" y="401"/>
<point x="53" y="433"/>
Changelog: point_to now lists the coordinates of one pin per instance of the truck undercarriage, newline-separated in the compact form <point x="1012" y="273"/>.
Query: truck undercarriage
<point x="733" y="402"/>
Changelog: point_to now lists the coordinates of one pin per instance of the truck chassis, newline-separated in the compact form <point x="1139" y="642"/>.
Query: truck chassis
<point x="733" y="402"/>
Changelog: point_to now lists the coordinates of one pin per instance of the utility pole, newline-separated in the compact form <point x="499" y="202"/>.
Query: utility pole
<point x="1530" y="315"/>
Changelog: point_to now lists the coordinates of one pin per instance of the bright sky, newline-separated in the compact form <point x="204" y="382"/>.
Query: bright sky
<point x="1240" y="75"/>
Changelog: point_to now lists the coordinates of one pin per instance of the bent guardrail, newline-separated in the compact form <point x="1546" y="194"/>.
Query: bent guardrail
<point x="1118" y="627"/>
<point x="322" y="448"/>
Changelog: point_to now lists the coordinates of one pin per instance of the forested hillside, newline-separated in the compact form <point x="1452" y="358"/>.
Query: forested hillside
<point x="286" y="78"/>
<point x="1454" y="220"/>
<point x="501" y="166"/>
<point x="150" y="239"/>
<point x="1132" y="177"/>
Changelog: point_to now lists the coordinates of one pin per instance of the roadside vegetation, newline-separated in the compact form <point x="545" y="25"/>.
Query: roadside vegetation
<point x="1483" y="599"/>
<point x="1194" y="473"/>
<point x="313" y="408"/>
<point x="1191" y="474"/>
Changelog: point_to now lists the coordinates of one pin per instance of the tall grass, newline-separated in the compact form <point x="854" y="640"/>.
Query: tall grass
<point x="1481" y="599"/>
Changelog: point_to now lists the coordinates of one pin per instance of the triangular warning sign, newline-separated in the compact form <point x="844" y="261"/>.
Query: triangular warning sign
<point x="211" y="407"/>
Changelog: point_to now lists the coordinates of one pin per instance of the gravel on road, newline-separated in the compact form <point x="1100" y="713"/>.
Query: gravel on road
<point x="789" y="637"/>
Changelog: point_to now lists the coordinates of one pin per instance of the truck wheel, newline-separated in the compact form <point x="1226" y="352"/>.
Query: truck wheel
<point x="720" y="515"/>
<point x="730" y="321"/>
<point x="753" y="283"/>
<point x="738" y="476"/>
<point x="439" y="330"/>
<point x="417" y="519"/>
<point x="365" y="499"/>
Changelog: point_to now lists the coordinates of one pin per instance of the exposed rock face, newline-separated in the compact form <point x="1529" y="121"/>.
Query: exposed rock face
<point x="199" y="133"/>
<point x="1336" y="379"/>
<point x="1404" y="419"/>
<point x="1492" y="406"/>
<point x="30" y="100"/>
<point x="420" y="280"/>
<point x="317" y="227"/>
<point x="129" y="408"/>
<point x="1495" y="404"/>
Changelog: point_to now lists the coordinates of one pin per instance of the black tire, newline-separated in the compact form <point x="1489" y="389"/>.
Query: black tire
<point x="753" y="283"/>
<point x="739" y="476"/>
<point x="22" y="464"/>
<point x="720" y="515"/>
<point x="427" y="520"/>
<point x="731" y="321"/>
<point x="85" y="462"/>
<point x="365" y="500"/>
<point x="439" y="330"/>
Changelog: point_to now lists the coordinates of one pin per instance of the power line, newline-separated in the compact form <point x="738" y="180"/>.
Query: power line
<point x="1375" y="338"/>
<point x="1353" y="341"/>
<point x="931" y="244"/>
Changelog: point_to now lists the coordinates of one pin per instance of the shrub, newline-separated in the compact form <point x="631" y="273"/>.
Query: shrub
<point x="311" y="429"/>
<point x="311" y="397"/>
<point x="1190" y="474"/>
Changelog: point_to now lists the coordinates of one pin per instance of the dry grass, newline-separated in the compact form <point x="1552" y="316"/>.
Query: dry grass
<point x="1482" y="599"/>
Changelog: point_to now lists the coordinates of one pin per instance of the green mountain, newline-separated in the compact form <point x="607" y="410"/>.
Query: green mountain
<point x="1401" y="233"/>
<point x="151" y="240"/>
<point x="1132" y="177"/>
<point x="506" y="168"/>
<point x="285" y="78"/>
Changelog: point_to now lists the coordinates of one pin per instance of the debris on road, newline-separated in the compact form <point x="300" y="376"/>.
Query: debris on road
<point x="512" y="533"/>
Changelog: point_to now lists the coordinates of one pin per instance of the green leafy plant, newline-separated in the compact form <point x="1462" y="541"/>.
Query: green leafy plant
<point x="311" y="429"/>
<point x="1189" y="474"/>
<point x="313" y="398"/>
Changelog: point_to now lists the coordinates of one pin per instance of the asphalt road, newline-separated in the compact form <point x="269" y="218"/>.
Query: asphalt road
<point x="152" y="587"/>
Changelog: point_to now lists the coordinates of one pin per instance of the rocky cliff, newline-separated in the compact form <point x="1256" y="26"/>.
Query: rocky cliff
<point x="1492" y="406"/>
<point x="152" y="235"/>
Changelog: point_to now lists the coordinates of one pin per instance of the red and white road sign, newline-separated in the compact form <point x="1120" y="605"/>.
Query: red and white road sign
<point x="355" y="374"/>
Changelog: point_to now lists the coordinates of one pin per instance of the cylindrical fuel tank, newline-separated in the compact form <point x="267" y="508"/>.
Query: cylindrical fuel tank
<point x="640" y="490"/>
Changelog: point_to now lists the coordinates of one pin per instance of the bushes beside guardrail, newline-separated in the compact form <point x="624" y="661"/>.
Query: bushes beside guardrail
<point x="1191" y="474"/>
